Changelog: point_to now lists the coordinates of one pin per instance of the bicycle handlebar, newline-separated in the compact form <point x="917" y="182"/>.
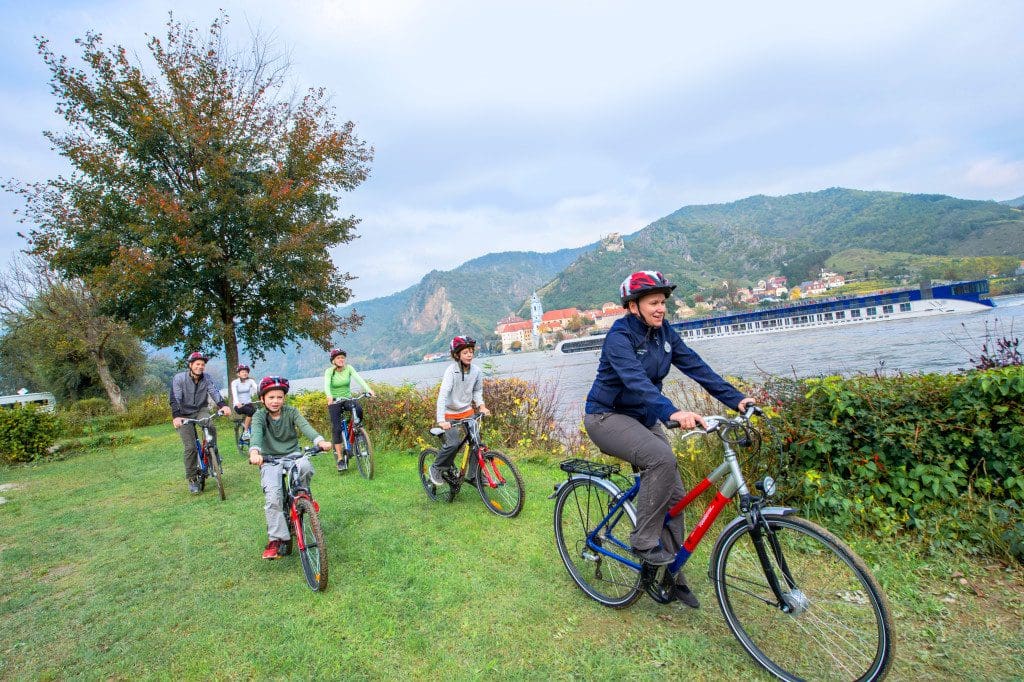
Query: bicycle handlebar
<point x="310" y="450"/>
<point x="205" y="421"/>
<point x="717" y="421"/>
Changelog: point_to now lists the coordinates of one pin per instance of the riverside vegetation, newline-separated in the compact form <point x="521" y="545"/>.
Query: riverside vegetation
<point x="928" y="464"/>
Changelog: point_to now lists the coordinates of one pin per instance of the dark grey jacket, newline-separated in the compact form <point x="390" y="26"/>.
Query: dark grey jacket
<point x="188" y="397"/>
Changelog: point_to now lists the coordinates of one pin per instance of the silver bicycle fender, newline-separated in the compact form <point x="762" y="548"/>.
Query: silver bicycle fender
<point x="781" y="511"/>
<point x="603" y="482"/>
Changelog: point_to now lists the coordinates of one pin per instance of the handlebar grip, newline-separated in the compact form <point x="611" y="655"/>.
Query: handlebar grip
<point x="672" y="424"/>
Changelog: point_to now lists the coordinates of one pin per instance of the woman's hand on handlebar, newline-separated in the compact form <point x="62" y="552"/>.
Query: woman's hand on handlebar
<point x="255" y="457"/>
<point x="688" y="420"/>
<point x="745" y="404"/>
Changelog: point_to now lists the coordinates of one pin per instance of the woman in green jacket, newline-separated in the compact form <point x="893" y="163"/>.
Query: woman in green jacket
<point x="338" y="388"/>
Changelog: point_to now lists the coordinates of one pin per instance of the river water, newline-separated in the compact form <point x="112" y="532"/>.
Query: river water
<point x="943" y="343"/>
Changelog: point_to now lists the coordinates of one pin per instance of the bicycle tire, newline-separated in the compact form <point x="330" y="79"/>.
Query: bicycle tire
<point x="239" y="429"/>
<point x="218" y="471"/>
<point x="579" y="508"/>
<point x="508" y="497"/>
<point x="438" y="493"/>
<point x="314" y="556"/>
<point x="842" y="627"/>
<point x="363" y="451"/>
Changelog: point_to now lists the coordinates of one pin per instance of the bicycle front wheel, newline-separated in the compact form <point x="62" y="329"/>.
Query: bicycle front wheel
<point x="218" y="471"/>
<point x="239" y="430"/>
<point x="364" y="454"/>
<point x="505" y="493"/>
<point x="838" y="625"/>
<point x="443" y="492"/>
<point x="580" y="507"/>
<point x="314" y="556"/>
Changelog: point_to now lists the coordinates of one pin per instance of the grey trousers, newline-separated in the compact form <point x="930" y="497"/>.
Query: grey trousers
<point x="453" y="439"/>
<point x="273" y="493"/>
<point x="660" y="485"/>
<point x="188" y="433"/>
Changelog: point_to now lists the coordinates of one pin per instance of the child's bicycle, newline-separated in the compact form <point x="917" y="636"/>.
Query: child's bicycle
<point x="302" y="514"/>
<point x="799" y="601"/>
<point x="209" y="456"/>
<point x="497" y="479"/>
<point x="357" y="441"/>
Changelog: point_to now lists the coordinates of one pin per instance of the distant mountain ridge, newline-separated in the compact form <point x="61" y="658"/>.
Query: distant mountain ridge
<point x="696" y="246"/>
<point x="1016" y="203"/>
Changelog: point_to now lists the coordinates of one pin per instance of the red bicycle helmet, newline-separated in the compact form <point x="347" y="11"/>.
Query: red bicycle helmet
<point x="270" y="383"/>
<point x="335" y="352"/>
<point x="241" y="367"/>
<point x="460" y="342"/>
<point x="641" y="283"/>
<point x="196" y="356"/>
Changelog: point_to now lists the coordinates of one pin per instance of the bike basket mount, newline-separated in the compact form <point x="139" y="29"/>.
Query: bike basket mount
<point x="588" y="468"/>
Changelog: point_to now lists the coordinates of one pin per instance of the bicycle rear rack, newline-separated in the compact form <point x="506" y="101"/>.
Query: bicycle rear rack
<point x="588" y="468"/>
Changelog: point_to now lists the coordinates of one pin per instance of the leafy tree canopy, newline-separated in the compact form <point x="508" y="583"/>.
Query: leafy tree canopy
<point x="204" y="197"/>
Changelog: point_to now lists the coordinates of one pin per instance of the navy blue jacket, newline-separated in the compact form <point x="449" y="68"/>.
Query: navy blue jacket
<point x="635" y="359"/>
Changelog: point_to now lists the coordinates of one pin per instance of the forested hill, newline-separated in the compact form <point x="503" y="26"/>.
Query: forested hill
<point x="403" y="327"/>
<point x="793" y="235"/>
<point x="1016" y="203"/>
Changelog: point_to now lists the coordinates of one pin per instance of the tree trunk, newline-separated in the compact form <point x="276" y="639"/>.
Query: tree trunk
<point x="113" y="390"/>
<point x="230" y="350"/>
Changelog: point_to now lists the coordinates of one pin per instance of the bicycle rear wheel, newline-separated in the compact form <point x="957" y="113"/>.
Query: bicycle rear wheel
<point x="508" y="493"/>
<point x="314" y="556"/>
<point x="364" y="454"/>
<point x="581" y="505"/>
<point x="443" y="492"/>
<point x="239" y="430"/>
<point x="839" y="627"/>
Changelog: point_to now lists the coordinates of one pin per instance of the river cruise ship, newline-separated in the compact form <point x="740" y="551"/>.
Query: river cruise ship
<point x="896" y="304"/>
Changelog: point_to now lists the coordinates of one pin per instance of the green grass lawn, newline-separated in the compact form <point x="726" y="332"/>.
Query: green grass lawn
<point x="112" y="570"/>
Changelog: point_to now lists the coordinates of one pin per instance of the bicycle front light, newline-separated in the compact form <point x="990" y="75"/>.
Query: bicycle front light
<point x="767" y="486"/>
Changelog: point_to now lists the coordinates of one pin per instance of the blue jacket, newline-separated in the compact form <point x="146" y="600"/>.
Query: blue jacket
<point x="635" y="359"/>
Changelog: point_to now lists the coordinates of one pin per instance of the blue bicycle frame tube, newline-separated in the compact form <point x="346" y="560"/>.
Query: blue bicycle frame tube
<point x="616" y="509"/>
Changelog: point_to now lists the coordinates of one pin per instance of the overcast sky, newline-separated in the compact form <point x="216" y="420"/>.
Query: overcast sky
<point x="541" y="125"/>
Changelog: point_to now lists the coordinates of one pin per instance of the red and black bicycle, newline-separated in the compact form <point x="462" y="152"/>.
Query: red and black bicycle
<point x="302" y="513"/>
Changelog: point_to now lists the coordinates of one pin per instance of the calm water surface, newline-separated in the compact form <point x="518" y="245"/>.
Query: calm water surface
<point x="943" y="343"/>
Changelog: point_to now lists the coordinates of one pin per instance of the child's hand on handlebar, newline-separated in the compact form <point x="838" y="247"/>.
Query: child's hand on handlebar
<point x="445" y="425"/>
<point x="255" y="457"/>
<point x="688" y="420"/>
<point x="324" y="445"/>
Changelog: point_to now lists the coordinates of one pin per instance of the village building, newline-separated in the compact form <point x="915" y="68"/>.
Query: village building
<point x="512" y="333"/>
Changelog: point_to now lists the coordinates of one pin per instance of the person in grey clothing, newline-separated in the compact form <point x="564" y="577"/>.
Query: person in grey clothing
<point x="189" y="395"/>
<point x="462" y="388"/>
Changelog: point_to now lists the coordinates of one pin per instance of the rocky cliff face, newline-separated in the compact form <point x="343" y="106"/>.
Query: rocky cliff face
<point x="431" y="311"/>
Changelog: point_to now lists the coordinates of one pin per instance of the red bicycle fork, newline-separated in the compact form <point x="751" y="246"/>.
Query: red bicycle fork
<point x="293" y="513"/>
<point x="492" y="481"/>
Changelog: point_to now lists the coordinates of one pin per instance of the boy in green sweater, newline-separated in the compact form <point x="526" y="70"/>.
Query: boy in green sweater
<point x="274" y="433"/>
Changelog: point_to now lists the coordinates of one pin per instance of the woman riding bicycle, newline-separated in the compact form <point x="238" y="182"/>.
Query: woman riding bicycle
<point x="625" y="405"/>
<point x="338" y="389"/>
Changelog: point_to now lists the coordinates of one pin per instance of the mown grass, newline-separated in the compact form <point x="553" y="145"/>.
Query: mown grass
<point x="111" y="570"/>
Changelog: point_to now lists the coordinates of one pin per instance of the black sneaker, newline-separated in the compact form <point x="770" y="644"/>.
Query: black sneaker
<point x="342" y="465"/>
<point x="193" y="487"/>
<point x="656" y="556"/>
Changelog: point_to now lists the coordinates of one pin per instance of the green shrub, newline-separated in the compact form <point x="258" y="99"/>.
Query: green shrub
<point x="26" y="433"/>
<point x="146" y="410"/>
<point x="313" y="406"/>
<point x="938" y="455"/>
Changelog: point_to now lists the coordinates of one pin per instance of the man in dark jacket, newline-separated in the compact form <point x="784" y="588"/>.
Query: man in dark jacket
<point x="190" y="394"/>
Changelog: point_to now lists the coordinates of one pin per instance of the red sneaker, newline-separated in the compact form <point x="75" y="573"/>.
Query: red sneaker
<point x="271" y="553"/>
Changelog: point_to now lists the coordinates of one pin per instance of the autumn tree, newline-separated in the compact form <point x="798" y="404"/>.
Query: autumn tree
<point x="57" y="338"/>
<point x="203" y="197"/>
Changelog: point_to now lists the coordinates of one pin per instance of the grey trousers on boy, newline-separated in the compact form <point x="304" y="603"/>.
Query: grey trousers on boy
<point x="660" y="485"/>
<point x="270" y="477"/>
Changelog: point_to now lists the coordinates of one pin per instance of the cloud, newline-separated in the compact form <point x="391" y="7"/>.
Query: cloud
<point x="1005" y="179"/>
